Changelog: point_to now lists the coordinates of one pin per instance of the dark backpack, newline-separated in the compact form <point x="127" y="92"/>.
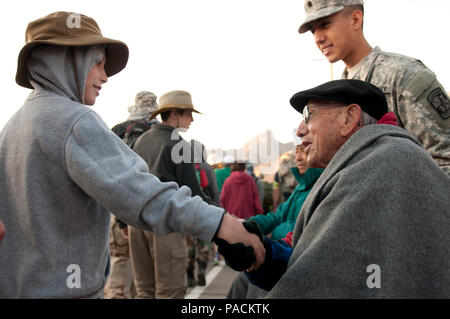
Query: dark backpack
<point x="134" y="130"/>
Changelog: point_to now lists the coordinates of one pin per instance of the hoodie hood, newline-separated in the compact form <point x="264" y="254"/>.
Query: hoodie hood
<point x="52" y="68"/>
<point x="240" y="177"/>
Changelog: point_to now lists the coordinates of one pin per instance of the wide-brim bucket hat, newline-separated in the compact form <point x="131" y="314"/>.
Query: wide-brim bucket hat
<point x="73" y="30"/>
<point x="174" y="100"/>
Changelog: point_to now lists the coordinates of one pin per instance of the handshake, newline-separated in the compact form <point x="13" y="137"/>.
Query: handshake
<point x="240" y="257"/>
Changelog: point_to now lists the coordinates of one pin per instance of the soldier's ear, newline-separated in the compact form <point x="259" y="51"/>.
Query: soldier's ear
<point x="357" y="19"/>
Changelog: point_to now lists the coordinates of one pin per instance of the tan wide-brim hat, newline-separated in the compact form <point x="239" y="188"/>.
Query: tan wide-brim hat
<point x="73" y="30"/>
<point x="174" y="100"/>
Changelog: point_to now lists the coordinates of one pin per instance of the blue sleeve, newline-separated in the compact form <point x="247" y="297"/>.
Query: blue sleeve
<point x="275" y="264"/>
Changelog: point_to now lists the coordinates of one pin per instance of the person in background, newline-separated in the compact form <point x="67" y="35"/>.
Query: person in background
<point x="239" y="195"/>
<point x="199" y="250"/>
<point x="159" y="262"/>
<point x="205" y="172"/>
<point x="137" y="123"/>
<point x="258" y="181"/>
<point x="224" y="172"/>
<point x="284" y="181"/>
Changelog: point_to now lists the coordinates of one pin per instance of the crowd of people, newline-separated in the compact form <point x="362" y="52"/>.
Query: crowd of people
<point x="367" y="216"/>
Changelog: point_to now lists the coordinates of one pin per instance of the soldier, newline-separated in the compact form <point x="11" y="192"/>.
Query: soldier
<point x="414" y="94"/>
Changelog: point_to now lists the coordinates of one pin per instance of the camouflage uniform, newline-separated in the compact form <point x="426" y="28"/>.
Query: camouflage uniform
<point x="415" y="96"/>
<point x="413" y="93"/>
<point x="198" y="251"/>
<point x="117" y="281"/>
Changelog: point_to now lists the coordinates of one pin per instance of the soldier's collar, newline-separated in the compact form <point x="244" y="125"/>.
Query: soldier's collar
<point x="367" y="65"/>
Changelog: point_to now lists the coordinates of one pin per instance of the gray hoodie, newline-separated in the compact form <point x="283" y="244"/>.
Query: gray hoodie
<point x="61" y="171"/>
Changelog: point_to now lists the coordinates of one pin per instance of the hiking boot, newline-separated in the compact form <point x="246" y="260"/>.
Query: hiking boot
<point x="191" y="282"/>
<point x="201" y="280"/>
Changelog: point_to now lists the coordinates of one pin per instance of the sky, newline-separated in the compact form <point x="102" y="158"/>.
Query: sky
<point x="241" y="60"/>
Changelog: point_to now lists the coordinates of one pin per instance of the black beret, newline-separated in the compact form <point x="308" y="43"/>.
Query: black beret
<point x="370" y="98"/>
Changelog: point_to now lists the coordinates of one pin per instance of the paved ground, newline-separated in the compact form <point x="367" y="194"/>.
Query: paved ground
<point x="218" y="281"/>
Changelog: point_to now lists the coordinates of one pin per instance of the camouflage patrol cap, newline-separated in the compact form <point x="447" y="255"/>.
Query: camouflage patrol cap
<point x="145" y="105"/>
<point x="318" y="9"/>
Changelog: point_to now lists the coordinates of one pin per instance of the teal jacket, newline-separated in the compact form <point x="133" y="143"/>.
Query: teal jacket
<point x="282" y="221"/>
<point x="221" y="175"/>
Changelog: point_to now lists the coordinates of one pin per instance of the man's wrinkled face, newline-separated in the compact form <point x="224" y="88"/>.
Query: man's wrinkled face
<point x="94" y="81"/>
<point x="321" y="136"/>
<point x="301" y="159"/>
<point x="332" y="36"/>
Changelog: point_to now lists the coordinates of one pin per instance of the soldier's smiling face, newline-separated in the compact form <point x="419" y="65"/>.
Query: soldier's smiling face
<point x="332" y="36"/>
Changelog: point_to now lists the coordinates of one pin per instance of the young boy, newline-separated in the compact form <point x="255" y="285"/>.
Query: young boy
<point x="63" y="170"/>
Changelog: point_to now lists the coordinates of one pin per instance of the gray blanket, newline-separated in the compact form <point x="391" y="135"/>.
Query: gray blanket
<point x="375" y="225"/>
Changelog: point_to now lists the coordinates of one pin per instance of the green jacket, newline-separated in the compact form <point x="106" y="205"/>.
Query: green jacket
<point x="221" y="175"/>
<point x="281" y="222"/>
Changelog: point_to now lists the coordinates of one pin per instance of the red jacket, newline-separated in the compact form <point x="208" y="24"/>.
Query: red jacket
<point x="240" y="196"/>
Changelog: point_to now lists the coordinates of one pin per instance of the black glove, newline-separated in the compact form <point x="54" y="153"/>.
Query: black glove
<point x="252" y="227"/>
<point x="238" y="256"/>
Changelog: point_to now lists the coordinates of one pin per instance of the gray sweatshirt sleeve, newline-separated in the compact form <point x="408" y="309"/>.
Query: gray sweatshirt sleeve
<point x="116" y="177"/>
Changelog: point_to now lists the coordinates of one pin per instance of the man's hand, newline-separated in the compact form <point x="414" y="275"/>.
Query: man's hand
<point x="233" y="232"/>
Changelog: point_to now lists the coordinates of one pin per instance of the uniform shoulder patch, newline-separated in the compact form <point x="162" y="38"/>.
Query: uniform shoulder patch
<point x="439" y="100"/>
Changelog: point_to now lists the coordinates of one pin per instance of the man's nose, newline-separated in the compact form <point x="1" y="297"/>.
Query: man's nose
<point x="319" y="37"/>
<point x="302" y="129"/>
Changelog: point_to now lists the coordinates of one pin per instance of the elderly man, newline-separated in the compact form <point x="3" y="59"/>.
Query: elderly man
<point x="376" y="223"/>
